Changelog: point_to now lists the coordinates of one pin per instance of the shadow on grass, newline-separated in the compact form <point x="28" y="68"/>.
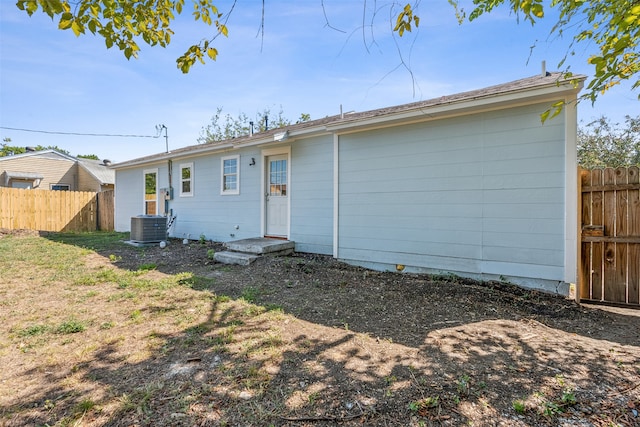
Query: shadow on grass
<point x="356" y="347"/>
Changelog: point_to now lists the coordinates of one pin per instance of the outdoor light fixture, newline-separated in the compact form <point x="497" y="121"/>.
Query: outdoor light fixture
<point x="253" y="162"/>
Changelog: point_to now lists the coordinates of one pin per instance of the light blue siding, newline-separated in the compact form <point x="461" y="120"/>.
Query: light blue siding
<point x="312" y="195"/>
<point x="477" y="195"/>
<point x="128" y="197"/>
<point x="230" y="217"/>
<point x="481" y="194"/>
<point x="216" y="216"/>
<point x="129" y="193"/>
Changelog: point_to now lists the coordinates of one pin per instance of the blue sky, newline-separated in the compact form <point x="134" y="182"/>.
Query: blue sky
<point x="52" y="81"/>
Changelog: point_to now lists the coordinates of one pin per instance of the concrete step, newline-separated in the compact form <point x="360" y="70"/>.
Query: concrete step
<point x="237" y="258"/>
<point x="262" y="246"/>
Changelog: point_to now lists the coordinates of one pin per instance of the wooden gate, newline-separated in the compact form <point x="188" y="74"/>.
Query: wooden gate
<point x="610" y="243"/>
<point x="106" y="210"/>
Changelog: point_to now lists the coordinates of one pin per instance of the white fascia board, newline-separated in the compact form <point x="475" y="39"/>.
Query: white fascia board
<point x="172" y="156"/>
<point x="207" y="150"/>
<point x="463" y="107"/>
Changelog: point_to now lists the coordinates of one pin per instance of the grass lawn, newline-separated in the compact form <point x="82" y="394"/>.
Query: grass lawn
<point x="94" y="332"/>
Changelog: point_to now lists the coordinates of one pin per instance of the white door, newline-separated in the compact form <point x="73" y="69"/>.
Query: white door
<point x="151" y="192"/>
<point x="277" y="196"/>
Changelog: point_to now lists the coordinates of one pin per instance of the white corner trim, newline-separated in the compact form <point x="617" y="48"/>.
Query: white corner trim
<point x="336" y="181"/>
<point x="571" y="191"/>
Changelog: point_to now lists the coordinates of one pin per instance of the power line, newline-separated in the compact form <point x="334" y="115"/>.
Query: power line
<point x="80" y="134"/>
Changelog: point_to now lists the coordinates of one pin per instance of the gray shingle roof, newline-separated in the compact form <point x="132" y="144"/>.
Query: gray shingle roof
<point x="518" y="86"/>
<point x="97" y="168"/>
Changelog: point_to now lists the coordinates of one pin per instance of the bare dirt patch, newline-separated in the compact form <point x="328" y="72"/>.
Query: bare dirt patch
<point x="304" y="340"/>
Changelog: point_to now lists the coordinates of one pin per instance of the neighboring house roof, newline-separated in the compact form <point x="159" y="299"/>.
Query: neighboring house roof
<point x="99" y="169"/>
<point x="531" y="89"/>
<point x="49" y="154"/>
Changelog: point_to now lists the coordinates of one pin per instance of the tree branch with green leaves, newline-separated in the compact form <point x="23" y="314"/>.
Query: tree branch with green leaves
<point x="611" y="26"/>
<point x="124" y="23"/>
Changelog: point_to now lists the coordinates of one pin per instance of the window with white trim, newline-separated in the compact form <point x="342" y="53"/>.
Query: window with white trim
<point x="186" y="180"/>
<point x="230" y="181"/>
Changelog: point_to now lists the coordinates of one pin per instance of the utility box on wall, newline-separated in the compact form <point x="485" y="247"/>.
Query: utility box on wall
<point x="148" y="228"/>
<point x="166" y="194"/>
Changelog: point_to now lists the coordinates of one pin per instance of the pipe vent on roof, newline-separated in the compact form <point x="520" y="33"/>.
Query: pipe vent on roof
<point x="544" y="73"/>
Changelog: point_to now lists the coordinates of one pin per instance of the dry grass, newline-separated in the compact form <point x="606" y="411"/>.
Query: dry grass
<point x="86" y="342"/>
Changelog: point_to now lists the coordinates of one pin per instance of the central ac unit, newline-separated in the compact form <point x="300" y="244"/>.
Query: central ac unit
<point x="148" y="228"/>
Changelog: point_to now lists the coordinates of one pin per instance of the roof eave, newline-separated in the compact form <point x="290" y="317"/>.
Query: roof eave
<point x="452" y="108"/>
<point x="157" y="158"/>
<point x="447" y="107"/>
<point x="213" y="148"/>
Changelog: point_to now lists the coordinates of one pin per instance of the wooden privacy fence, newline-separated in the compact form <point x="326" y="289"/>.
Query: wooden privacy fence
<point x="610" y="243"/>
<point x="46" y="210"/>
<point x="106" y="210"/>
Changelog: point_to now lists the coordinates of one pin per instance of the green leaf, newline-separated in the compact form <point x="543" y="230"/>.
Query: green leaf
<point x="65" y="23"/>
<point x="399" y="21"/>
<point x="32" y="7"/>
<point x="77" y="28"/>
<point x="544" y="116"/>
<point x="537" y="10"/>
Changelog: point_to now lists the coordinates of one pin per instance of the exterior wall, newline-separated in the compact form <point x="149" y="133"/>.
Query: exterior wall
<point x="481" y="196"/>
<point x="87" y="182"/>
<point x="218" y="217"/>
<point x="207" y="212"/>
<point x="229" y="217"/>
<point x="54" y="170"/>
<point x="312" y="195"/>
<point x="129" y="194"/>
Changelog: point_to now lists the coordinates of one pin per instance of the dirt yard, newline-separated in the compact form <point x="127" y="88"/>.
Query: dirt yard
<point x="124" y="336"/>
